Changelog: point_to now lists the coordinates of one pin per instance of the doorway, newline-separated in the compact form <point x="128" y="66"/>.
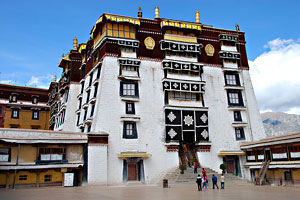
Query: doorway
<point x="288" y="177"/>
<point x="132" y="171"/>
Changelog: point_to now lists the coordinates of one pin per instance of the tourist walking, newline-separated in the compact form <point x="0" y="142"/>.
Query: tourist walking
<point x="195" y="168"/>
<point x="222" y="181"/>
<point x="199" y="182"/>
<point x="214" y="181"/>
<point x="204" y="180"/>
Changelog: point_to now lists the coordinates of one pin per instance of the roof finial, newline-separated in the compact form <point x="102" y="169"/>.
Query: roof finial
<point x="197" y="17"/>
<point x="75" y="43"/>
<point x="237" y="27"/>
<point x="140" y="14"/>
<point x="156" y="12"/>
<point x="54" y="78"/>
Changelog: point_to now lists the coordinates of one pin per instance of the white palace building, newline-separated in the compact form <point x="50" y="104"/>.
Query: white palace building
<point x="152" y="94"/>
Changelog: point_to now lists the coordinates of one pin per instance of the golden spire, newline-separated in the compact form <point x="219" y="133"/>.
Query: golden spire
<point x="237" y="27"/>
<point x="197" y="17"/>
<point x="156" y="12"/>
<point x="75" y="43"/>
<point x="54" y="78"/>
<point x="140" y="14"/>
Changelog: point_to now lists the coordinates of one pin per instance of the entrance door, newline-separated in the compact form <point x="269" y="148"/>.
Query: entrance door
<point x="132" y="171"/>
<point x="288" y="177"/>
<point x="230" y="166"/>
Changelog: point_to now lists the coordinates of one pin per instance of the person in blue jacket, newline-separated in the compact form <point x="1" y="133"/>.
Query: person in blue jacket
<point x="214" y="181"/>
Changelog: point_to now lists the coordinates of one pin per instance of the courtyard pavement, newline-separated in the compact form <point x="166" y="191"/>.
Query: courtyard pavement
<point x="151" y="192"/>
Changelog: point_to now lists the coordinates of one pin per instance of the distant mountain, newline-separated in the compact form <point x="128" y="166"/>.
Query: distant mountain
<point x="278" y="123"/>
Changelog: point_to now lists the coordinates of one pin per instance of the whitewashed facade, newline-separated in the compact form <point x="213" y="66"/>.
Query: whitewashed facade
<point x="153" y="111"/>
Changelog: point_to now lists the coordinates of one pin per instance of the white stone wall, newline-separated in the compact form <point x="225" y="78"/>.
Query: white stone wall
<point x="150" y="127"/>
<point x="70" y="116"/>
<point x="221" y="131"/>
<point x="97" y="165"/>
<point x="255" y="121"/>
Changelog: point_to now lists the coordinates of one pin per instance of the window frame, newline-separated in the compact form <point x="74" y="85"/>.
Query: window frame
<point x="11" y="98"/>
<point x="47" y="178"/>
<point x="238" y="98"/>
<point x="35" y="100"/>
<point x="242" y="133"/>
<point x="12" y="113"/>
<point x="7" y="152"/>
<point x="37" y="116"/>
<point x="228" y="80"/>
<point x="132" y="111"/>
<point x="237" y="116"/>
<point x="135" y="90"/>
<point x="134" y="134"/>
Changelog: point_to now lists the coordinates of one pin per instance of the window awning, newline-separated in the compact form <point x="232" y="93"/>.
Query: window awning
<point x="134" y="155"/>
<point x="232" y="153"/>
<point x="180" y="25"/>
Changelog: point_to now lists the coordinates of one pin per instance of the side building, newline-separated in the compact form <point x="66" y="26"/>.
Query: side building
<point x="274" y="160"/>
<point x="165" y="92"/>
<point x="24" y="107"/>
<point x="38" y="158"/>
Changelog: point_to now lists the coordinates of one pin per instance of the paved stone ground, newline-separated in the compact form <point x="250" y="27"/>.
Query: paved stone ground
<point x="152" y="192"/>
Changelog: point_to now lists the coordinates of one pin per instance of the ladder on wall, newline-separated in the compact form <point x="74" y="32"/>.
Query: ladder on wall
<point x="262" y="172"/>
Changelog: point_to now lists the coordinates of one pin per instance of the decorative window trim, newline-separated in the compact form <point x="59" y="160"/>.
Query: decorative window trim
<point x="131" y="62"/>
<point x="183" y="86"/>
<point x="227" y="37"/>
<point x="194" y="67"/>
<point x="180" y="46"/>
<point x="229" y="55"/>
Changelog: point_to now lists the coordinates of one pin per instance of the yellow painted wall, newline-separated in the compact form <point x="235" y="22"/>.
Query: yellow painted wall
<point x="25" y="119"/>
<point x="31" y="178"/>
<point x="28" y="153"/>
<point x="56" y="176"/>
<point x="296" y="173"/>
<point x="2" y="179"/>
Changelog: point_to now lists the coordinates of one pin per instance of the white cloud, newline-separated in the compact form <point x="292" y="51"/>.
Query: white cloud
<point x="276" y="76"/>
<point x="5" y="81"/>
<point x="40" y="81"/>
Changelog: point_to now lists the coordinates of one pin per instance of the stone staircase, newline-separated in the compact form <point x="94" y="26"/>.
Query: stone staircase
<point x="175" y="178"/>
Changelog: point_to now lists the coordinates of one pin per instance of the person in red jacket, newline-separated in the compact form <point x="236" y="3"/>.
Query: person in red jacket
<point x="203" y="172"/>
<point x="195" y="168"/>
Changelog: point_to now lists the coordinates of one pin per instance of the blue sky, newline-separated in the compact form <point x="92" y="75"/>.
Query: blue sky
<point x="35" y="33"/>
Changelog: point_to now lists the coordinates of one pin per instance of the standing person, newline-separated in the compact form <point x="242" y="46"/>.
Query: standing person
<point x="204" y="180"/>
<point x="195" y="168"/>
<point x="222" y="181"/>
<point x="203" y="172"/>
<point x="199" y="182"/>
<point x="215" y="181"/>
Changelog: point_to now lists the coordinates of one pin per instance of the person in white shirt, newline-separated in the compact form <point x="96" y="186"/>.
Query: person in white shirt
<point x="222" y="181"/>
